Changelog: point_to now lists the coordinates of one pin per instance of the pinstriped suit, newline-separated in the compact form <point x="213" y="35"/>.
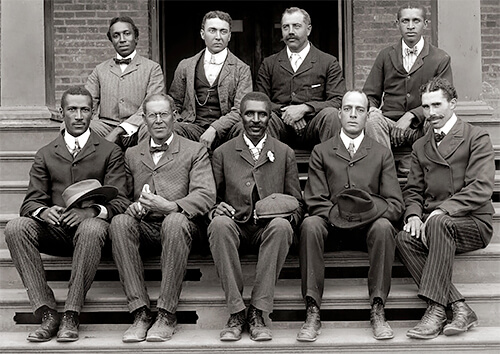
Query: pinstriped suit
<point x="458" y="178"/>
<point x="183" y="175"/>
<point x="55" y="169"/>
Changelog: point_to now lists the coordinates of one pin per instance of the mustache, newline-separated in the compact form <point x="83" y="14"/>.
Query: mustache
<point x="435" y="116"/>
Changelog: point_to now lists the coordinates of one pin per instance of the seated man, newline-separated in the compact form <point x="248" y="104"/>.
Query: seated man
<point x="208" y="87"/>
<point x="247" y="169"/>
<point x="173" y="186"/>
<point x="120" y="85"/>
<point x="48" y="224"/>
<point x="448" y="208"/>
<point x="305" y="86"/>
<point x="354" y="198"/>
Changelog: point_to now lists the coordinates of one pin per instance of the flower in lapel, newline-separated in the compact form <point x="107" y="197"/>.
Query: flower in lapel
<point x="270" y="156"/>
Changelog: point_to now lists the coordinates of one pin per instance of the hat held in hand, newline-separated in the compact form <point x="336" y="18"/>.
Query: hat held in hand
<point x="356" y="208"/>
<point x="88" y="189"/>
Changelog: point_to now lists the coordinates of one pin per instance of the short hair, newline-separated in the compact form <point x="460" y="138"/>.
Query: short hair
<point x="122" y="19"/>
<point x="256" y="96"/>
<point x="76" y="91"/>
<point x="224" y="16"/>
<point x="291" y="10"/>
<point x="439" y="83"/>
<point x="358" y="91"/>
<point x="159" y="97"/>
<point x="409" y="6"/>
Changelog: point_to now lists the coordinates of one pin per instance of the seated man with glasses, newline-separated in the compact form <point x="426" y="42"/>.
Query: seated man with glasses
<point x="173" y="187"/>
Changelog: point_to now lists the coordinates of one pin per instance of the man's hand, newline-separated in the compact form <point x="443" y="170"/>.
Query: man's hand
<point x="75" y="216"/>
<point x="299" y="126"/>
<point x="115" y="134"/>
<point x="51" y="215"/>
<point x="136" y="210"/>
<point x="414" y="226"/>
<point x="224" y="209"/>
<point x="208" y="137"/>
<point x="294" y="113"/>
<point x="157" y="204"/>
<point x="398" y="131"/>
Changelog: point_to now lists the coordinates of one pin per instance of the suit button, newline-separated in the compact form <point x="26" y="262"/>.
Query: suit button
<point x="122" y="100"/>
<point x="247" y="184"/>
<point x="408" y="94"/>
<point x="293" y="93"/>
<point x="121" y="78"/>
<point x="409" y="77"/>
<point x="346" y="186"/>
<point x="154" y="173"/>
<point x="351" y="164"/>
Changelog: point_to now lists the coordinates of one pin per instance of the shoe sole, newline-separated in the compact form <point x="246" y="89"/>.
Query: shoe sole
<point x="229" y="339"/>
<point x="133" y="340"/>
<point x="37" y="340"/>
<point x="300" y="339"/>
<point x="421" y="336"/>
<point x="383" y="337"/>
<point x="62" y="340"/>
<point x="453" y="331"/>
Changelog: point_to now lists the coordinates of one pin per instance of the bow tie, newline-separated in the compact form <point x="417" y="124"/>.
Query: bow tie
<point x="162" y="148"/>
<point x="439" y="136"/>
<point x="122" y="61"/>
<point x="413" y="50"/>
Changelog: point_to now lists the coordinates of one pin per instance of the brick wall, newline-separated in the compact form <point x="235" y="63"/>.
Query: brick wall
<point x="490" y="42"/>
<point x="80" y="41"/>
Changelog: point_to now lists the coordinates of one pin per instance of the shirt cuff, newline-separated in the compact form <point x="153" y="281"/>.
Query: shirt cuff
<point x="130" y="129"/>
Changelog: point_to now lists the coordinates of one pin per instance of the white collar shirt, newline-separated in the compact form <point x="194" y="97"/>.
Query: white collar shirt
<point x="130" y="56"/>
<point x="71" y="140"/>
<point x="157" y="155"/>
<point x="255" y="149"/>
<point x="409" y="59"/>
<point x="212" y="63"/>
<point x="296" y="59"/>
<point x="347" y="140"/>
<point x="447" y="127"/>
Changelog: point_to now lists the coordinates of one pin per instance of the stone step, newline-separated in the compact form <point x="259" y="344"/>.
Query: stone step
<point x="185" y="340"/>
<point x="27" y="135"/>
<point x="205" y="306"/>
<point x="15" y="165"/>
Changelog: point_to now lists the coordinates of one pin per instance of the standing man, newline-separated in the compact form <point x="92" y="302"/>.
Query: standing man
<point x="448" y="208"/>
<point x="173" y="187"/>
<point x="305" y="86"/>
<point x="396" y="117"/>
<point x="353" y="197"/>
<point x="47" y="226"/>
<point x="247" y="169"/>
<point x="120" y="85"/>
<point x="208" y="87"/>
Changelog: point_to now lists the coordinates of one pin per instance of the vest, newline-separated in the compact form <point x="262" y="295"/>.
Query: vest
<point x="207" y="97"/>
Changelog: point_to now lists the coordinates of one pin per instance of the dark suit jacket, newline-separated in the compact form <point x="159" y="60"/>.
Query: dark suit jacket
<point x="237" y="174"/>
<point x="401" y="90"/>
<point x="54" y="170"/>
<point x="331" y="170"/>
<point x="318" y="81"/>
<point x="235" y="81"/>
<point x="457" y="178"/>
<point x="118" y="96"/>
<point x="183" y="175"/>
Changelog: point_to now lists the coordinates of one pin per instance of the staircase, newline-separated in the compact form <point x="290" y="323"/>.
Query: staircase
<point x="202" y="311"/>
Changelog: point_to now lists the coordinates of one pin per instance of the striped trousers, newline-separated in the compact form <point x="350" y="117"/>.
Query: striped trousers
<point x="27" y="238"/>
<point x="432" y="267"/>
<point x="172" y="238"/>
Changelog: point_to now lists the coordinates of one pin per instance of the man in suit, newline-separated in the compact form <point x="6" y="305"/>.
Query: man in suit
<point x="46" y="226"/>
<point x="305" y="86"/>
<point x="173" y="187"/>
<point x="208" y="87"/>
<point x="448" y="208"/>
<point x="120" y="85"/>
<point x="347" y="174"/>
<point x="247" y="169"/>
<point x="396" y="117"/>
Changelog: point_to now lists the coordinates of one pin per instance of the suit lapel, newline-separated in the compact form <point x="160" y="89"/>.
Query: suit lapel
<point x="88" y="149"/>
<point x="244" y="151"/>
<point x="285" y="61"/>
<point x="190" y="73"/>
<point x="264" y="158"/>
<point x="396" y="56"/>
<point x="431" y="149"/>
<point x="133" y="66"/>
<point x="340" y="149"/>
<point x="452" y="140"/>
<point x="308" y="61"/>
<point x="167" y="156"/>
<point x="61" y="149"/>
<point x="420" y="59"/>
<point x="362" y="152"/>
<point x="146" y="158"/>
<point x="227" y="67"/>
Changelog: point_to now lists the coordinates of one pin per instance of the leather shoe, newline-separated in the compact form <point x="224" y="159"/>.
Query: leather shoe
<point x="68" y="330"/>
<point x="164" y="327"/>
<point x="257" y="327"/>
<point x="312" y="326"/>
<point x="142" y="322"/>
<point x="463" y="319"/>
<point x="431" y="324"/>
<point x="233" y="328"/>
<point x="380" y="327"/>
<point x="48" y="327"/>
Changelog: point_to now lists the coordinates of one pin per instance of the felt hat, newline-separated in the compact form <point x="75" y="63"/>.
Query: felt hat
<point x="88" y="189"/>
<point x="356" y="208"/>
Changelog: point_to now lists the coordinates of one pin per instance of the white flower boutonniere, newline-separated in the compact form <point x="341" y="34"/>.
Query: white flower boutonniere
<point x="270" y="156"/>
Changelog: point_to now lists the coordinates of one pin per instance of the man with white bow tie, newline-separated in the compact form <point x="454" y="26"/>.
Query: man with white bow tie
<point x="208" y="87"/>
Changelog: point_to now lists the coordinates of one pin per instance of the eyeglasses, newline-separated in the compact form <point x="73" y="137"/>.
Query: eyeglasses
<point x="159" y="115"/>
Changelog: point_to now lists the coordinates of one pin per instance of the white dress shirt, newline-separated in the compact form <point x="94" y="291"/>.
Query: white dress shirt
<point x="347" y="140"/>
<point x="409" y="59"/>
<point x="447" y="127"/>
<point x="296" y="59"/>
<point x="130" y="129"/>
<point x="157" y="155"/>
<point x="212" y="63"/>
<point x="255" y="149"/>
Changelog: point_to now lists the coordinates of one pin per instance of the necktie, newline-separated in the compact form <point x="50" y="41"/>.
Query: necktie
<point x="439" y="136"/>
<point x="154" y="149"/>
<point x="350" y="149"/>
<point x="212" y="59"/>
<point x="294" y="61"/>
<point x="122" y="61"/>
<point x="77" y="148"/>
<point x="413" y="50"/>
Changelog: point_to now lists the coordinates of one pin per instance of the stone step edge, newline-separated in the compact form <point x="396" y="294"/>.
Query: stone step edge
<point x="287" y="296"/>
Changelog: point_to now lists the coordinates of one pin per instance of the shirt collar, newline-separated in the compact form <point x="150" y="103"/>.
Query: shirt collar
<point x="219" y="57"/>
<point x="346" y="140"/>
<point x="131" y="55"/>
<point x="169" y="140"/>
<point x="448" y="125"/>
<point x="419" y="46"/>
<point x="303" y="53"/>
<point x="82" y="139"/>
<point x="259" y="145"/>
